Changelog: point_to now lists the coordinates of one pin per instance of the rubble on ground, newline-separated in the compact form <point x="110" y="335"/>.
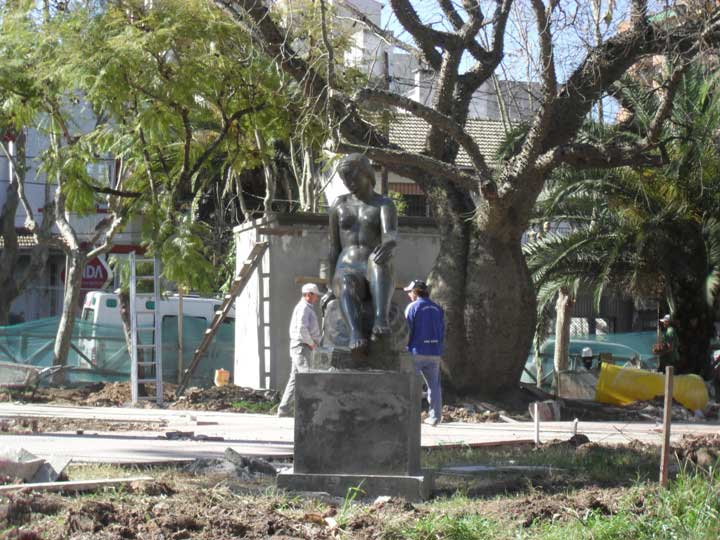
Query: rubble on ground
<point x="227" y="398"/>
<point x="117" y="394"/>
<point x="702" y="450"/>
<point x="470" y="413"/>
<point x="18" y="466"/>
<point x="233" y="464"/>
<point x="27" y="425"/>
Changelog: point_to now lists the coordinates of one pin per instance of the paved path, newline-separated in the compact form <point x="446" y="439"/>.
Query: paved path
<point x="264" y="435"/>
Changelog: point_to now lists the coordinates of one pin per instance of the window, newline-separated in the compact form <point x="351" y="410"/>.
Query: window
<point x="416" y="205"/>
<point x="88" y="314"/>
<point x="111" y="303"/>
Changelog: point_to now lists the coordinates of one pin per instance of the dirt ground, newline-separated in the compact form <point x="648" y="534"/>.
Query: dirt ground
<point x="26" y="426"/>
<point x="216" y="499"/>
<point x="231" y="398"/>
<point x="226" y="398"/>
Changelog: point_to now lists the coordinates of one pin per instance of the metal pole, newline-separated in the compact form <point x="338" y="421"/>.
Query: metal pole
<point x="537" y="423"/>
<point x="181" y="360"/>
<point x="667" y="420"/>
<point x="133" y="332"/>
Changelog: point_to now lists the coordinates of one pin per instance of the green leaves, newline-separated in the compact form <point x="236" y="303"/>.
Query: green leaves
<point x="184" y="255"/>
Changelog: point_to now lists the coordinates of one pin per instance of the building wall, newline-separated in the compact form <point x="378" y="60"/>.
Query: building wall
<point x="264" y="308"/>
<point x="40" y="299"/>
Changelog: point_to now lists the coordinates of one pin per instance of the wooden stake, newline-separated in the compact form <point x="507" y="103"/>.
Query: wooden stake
<point x="78" y="485"/>
<point x="667" y="420"/>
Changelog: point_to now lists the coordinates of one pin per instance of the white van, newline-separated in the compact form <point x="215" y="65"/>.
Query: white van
<point x="103" y="308"/>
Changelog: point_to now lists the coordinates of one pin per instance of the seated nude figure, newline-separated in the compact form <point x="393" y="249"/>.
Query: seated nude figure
<point x="363" y="236"/>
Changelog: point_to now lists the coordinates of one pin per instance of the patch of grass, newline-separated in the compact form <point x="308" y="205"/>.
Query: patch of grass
<point x="600" y="464"/>
<point x="436" y="527"/>
<point x="261" y="407"/>
<point x="688" y="509"/>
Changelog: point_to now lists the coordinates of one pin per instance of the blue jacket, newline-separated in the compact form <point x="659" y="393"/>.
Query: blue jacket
<point x="427" y="327"/>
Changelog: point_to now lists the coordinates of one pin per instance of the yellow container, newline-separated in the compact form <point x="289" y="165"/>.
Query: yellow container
<point x="620" y="386"/>
<point x="222" y="377"/>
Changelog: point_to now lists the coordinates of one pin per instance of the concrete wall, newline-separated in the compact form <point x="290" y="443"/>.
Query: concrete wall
<point x="264" y="308"/>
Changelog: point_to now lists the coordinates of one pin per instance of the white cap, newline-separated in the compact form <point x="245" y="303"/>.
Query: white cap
<point x="587" y="351"/>
<point x="666" y="318"/>
<point x="310" y="288"/>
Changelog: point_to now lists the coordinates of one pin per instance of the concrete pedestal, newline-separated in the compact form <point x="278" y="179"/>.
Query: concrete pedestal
<point x="357" y="428"/>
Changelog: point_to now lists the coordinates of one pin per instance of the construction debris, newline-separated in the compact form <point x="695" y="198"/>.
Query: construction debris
<point x="74" y="486"/>
<point x="233" y="465"/>
<point x="227" y="398"/>
<point x="19" y="465"/>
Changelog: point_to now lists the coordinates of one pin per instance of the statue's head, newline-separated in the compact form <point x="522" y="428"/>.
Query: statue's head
<point x="356" y="173"/>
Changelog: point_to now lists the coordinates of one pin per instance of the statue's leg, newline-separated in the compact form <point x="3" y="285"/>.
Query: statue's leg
<point x="350" y="289"/>
<point x="382" y="285"/>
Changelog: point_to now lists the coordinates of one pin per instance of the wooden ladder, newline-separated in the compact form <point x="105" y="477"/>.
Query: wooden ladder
<point x="238" y="284"/>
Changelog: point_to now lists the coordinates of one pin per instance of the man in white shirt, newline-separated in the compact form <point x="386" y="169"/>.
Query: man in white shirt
<point x="304" y="338"/>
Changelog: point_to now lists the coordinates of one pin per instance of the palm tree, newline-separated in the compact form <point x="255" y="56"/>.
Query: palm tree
<point x="645" y="232"/>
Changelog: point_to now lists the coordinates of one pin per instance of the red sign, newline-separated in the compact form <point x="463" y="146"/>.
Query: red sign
<point x="95" y="274"/>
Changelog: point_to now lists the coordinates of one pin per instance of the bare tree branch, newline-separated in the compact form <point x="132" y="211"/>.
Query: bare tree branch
<point x="488" y="60"/>
<point x="314" y="85"/>
<point x="432" y="117"/>
<point x="30" y="222"/>
<point x="328" y="46"/>
<point x="383" y="34"/>
<point x="432" y="166"/>
<point x="638" y="14"/>
<point x="665" y="107"/>
<point x="531" y="147"/>
<point x="606" y="63"/>
<point x="427" y="38"/>
<point x="601" y="156"/>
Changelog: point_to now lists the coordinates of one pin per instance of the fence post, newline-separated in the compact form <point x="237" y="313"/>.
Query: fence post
<point x="667" y="420"/>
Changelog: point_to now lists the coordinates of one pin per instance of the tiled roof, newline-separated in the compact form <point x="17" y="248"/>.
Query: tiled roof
<point x="409" y="132"/>
<point x="25" y="240"/>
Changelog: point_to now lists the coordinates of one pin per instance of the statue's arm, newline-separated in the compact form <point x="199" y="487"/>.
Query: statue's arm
<point x="389" y="230"/>
<point x="334" y="249"/>
<point x="389" y="221"/>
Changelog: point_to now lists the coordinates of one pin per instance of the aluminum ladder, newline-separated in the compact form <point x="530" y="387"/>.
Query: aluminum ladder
<point x="145" y="354"/>
<point x="237" y="286"/>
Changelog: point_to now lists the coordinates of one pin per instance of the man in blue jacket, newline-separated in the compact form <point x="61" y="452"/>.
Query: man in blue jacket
<point x="426" y="321"/>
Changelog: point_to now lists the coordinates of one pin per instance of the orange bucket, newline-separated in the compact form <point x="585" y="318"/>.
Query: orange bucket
<point x="222" y="377"/>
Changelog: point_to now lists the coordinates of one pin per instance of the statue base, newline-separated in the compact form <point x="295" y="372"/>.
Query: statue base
<point x="342" y="358"/>
<point x="411" y="488"/>
<point x="358" y="429"/>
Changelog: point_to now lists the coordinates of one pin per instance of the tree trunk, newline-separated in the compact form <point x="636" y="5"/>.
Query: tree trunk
<point x="499" y="314"/>
<point x="482" y="282"/>
<point x="685" y="274"/>
<point x="76" y="260"/>
<point x="563" y="311"/>
<point x="9" y="256"/>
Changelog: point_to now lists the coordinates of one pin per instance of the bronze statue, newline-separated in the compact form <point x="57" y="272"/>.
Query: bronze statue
<point x="363" y="236"/>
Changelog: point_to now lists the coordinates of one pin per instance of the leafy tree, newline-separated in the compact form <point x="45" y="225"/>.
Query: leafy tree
<point x="172" y="92"/>
<point x="38" y="95"/>
<point x="481" y="276"/>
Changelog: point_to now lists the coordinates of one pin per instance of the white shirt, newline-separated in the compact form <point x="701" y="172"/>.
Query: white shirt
<point x="304" y="327"/>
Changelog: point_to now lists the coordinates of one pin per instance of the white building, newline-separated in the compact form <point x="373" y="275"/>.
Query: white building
<point x="44" y="296"/>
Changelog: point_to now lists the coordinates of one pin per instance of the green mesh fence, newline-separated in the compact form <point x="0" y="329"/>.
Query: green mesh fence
<point x="99" y="352"/>
<point x="623" y="347"/>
